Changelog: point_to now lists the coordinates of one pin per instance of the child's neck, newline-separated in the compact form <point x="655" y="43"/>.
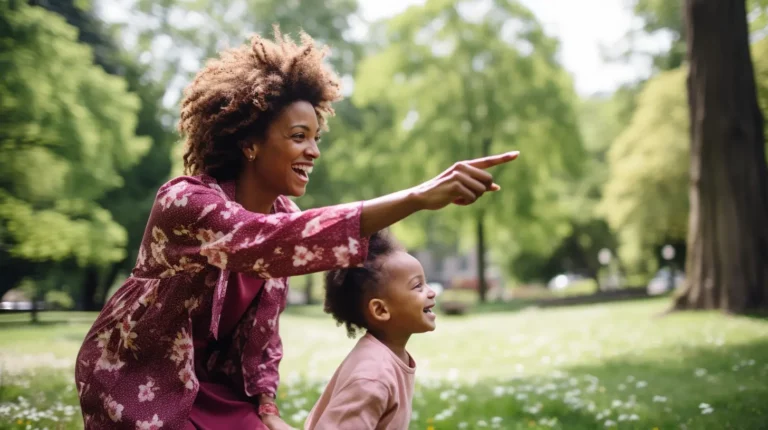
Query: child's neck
<point x="395" y="343"/>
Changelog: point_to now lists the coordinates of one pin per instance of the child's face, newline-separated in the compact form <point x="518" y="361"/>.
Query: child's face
<point x="408" y="299"/>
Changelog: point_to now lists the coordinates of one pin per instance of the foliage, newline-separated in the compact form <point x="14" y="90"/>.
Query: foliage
<point x="67" y="134"/>
<point x="646" y="196"/>
<point x="174" y="38"/>
<point x="459" y="80"/>
<point x="666" y="17"/>
<point x="59" y="300"/>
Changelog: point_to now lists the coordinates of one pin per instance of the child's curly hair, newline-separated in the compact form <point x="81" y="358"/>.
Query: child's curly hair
<point x="236" y="96"/>
<point x="347" y="291"/>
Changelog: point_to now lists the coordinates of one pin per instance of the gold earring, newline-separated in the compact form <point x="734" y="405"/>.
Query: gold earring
<point x="250" y="157"/>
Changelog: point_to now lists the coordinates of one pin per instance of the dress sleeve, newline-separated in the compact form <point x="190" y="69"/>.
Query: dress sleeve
<point x="193" y="223"/>
<point x="268" y="369"/>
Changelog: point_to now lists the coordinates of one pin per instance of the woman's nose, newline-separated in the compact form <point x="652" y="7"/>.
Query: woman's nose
<point x="312" y="150"/>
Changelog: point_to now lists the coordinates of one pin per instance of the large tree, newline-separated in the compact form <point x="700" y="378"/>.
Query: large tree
<point x="463" y="80"/>
<point x="130" y="204"/>
<point x="68" y="132"/>
<point x="727" y="264"/>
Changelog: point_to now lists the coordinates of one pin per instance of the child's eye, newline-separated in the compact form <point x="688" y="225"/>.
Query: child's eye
<point x="418" y="286"/>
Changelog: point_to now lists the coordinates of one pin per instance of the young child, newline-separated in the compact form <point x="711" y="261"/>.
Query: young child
<point x="389" y="299"/>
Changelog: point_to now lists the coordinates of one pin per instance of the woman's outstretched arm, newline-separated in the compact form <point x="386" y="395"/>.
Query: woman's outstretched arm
<point x="463" y="183"/>
<point x="194" y="223"/>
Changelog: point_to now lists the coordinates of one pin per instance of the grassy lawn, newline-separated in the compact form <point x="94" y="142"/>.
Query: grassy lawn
<point x="572" y="368"/>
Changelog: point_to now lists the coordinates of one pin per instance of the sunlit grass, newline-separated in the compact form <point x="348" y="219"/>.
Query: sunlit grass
<point x="572" y="368"/>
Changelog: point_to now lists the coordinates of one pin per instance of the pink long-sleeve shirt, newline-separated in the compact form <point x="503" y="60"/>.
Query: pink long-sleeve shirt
<point x="371" y="389"/>
<point x="136" y="367"/>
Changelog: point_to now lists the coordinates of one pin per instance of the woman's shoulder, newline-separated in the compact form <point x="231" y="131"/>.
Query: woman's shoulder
<point x="186" y="181"/>
<point x="187" y="185"/>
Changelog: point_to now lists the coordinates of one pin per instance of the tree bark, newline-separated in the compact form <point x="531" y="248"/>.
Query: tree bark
<point x="90" y="286"/>
<point x="100" y="295"/>
<point x="308" y="287"/>
<point x="727" y="260"/>
<point x="482" y="285"/>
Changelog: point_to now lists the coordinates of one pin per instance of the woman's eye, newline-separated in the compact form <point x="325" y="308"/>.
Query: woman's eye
<point x="299" y="136"/>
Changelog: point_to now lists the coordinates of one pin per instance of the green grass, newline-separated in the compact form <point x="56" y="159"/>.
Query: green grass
<point x="581" y="367"/>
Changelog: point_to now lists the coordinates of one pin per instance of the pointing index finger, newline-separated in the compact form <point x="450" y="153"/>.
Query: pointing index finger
<point x="493" y="160"/>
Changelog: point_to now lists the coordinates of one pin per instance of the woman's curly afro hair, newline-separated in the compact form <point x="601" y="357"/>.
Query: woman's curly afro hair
<point x="234" y="98"/>
<point x="347" y="291"/>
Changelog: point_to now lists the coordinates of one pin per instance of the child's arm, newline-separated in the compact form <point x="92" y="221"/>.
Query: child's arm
<point x="359" y="405"/>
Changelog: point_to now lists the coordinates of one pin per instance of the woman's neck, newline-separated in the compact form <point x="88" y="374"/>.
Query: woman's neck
<point x="251" y="196"/>
<point x="394" y="343"/>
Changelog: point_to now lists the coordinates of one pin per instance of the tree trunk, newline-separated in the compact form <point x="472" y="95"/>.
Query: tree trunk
<point x="727" y="260"/>
<point x="90" y="286"/>
<point x="308" y="286"/>
<point x="482" y="285"/>
<point x="100" y="295"/>
<point x="34" y="315"/>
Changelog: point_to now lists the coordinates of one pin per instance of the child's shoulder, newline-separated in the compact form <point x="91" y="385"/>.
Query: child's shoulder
<point x="370" y="359"/>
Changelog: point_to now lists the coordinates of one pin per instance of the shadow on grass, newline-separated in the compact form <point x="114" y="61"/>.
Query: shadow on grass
<point x="515" y="305"/>
<point x="728" y="379"/>
<point x="761" y="314"/>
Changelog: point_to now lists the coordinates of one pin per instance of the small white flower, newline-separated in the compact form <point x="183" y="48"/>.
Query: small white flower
<point x="609" y="423"/>
<point x="700" y="372"/>
<point x="642" y="384"/>
<point x="659" y="399"/>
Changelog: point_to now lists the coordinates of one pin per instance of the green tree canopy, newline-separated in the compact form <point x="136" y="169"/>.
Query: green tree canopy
<point x="67" y="133"/>
<point x="646" y="195"/>
<point x="461" y="79"/>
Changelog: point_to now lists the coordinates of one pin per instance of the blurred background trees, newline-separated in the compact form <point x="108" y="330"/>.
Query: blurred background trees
<point x="88" y="105"/>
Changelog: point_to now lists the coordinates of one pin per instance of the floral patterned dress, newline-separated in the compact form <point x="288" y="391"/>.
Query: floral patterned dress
<point x="137" y="367"/>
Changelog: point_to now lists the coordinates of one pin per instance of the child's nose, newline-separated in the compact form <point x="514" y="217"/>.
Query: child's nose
<point x="431" y="293"/>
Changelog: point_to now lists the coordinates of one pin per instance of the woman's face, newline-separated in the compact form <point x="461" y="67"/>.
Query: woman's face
<point x="284" y="159"/>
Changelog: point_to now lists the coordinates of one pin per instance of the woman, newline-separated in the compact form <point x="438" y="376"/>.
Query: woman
<point x="190" y="341"/>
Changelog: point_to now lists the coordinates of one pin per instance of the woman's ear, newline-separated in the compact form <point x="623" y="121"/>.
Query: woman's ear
<point x="379" y="310"/>
<point x="250" y="151"/>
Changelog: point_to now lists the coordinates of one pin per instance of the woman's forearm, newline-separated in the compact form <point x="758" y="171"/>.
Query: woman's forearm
<point x="381" y="212"/>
